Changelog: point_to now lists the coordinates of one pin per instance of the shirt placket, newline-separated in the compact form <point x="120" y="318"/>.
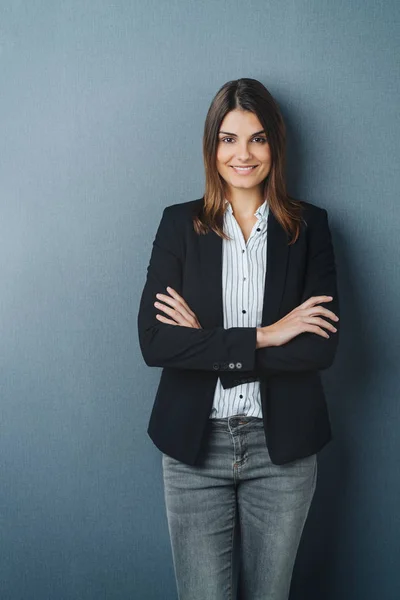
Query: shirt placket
<point x="244" y="308"/>
<point x="244" y="295"/>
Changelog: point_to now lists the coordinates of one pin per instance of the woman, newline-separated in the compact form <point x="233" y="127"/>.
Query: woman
<point x="238" y="308"/>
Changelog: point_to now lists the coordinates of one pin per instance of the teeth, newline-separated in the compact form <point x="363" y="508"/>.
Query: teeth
<point x="243" y="168"/>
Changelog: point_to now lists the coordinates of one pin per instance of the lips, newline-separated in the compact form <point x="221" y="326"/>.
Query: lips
<point x="243" y="170"/>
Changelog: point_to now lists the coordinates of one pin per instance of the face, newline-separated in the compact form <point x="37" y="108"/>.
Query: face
<point x="243" y="143"/>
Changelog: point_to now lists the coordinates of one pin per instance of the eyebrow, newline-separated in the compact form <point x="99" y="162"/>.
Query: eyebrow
<point x="252" y="135"/>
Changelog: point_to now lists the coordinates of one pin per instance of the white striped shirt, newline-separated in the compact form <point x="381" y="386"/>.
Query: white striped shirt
<point x="243" y="278"/>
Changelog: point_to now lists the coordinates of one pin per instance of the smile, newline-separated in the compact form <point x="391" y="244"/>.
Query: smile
<point x="244" y="170"/>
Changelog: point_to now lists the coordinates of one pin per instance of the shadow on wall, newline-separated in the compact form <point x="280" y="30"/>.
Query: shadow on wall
<point x="348" y="386"/>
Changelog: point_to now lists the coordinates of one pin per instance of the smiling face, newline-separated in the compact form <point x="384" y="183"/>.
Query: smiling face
<point x="243" y="153"/>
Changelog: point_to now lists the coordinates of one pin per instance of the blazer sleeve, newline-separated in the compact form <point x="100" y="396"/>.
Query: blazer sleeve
<point x="167" y="345"/>
<point x="310" y="351"/>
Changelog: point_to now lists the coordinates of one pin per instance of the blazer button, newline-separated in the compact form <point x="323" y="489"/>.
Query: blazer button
<point x="231" y="365"/>
<point x="224" y="365"/>
<point x="239" y="365"/>
<point x="215" y="366"/>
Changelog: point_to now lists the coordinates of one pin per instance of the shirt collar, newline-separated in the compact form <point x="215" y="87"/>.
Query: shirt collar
<point x="261" y="212"/>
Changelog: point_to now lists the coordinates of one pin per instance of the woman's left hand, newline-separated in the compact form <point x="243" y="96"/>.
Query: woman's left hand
<point x="180" y="312"/>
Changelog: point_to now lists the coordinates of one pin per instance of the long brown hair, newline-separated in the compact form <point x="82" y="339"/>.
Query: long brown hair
<point x="251" y="95"/>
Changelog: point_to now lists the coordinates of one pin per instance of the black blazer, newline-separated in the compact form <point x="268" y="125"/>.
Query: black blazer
<point x="295" y="415"/>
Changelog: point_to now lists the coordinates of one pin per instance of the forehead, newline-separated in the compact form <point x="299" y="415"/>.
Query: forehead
<point x="238" y="121"/>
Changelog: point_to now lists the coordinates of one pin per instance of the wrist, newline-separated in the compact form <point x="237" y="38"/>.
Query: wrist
<point x="262" y="337"/>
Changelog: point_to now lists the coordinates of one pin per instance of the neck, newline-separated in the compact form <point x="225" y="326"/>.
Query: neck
<point x="244" y="202"/>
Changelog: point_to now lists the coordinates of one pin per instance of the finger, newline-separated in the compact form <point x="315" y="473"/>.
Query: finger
<point x="180" y="318"/>
<point x="173" y="312"/>
<point x="165" y="320"/>
<point x="315" y="300"/>
<point x="174" y="294"/>
<point x="317" y="310"/>
<point x="180" y="300"/>
<point x="319" y="331"/>
<point x="328" y="313"/>
<point x="322" y="323"/>
<point x="183" y="324"/>
<point x="170" y="311"/>
<point x="176" y="304"/>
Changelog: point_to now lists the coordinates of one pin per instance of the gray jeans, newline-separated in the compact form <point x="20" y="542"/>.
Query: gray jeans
<point x="236" y="480"/>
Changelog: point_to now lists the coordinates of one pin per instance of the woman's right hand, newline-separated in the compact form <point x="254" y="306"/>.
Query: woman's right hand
<point x="305" y="317"/>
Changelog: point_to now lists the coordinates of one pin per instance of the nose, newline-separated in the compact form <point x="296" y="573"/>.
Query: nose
<point x="242" y="151"/>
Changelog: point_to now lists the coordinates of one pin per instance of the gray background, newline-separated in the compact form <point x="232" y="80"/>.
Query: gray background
<point x="102" y="108"/>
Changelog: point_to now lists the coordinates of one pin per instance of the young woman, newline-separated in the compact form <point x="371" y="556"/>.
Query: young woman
<point x="240" y="308"/>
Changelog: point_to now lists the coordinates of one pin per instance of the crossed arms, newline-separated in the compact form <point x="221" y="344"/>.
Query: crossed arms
<point x="168" y="345"/>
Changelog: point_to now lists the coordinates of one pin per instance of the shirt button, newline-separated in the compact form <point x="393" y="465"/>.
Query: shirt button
<point x="243" y="311"/>
<point x="244" y="278"/>
<point x="258" y="229"/>
<point x="241" y="396"/>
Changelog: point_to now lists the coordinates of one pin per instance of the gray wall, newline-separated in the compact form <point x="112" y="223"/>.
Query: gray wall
<point x="102" y="107"/>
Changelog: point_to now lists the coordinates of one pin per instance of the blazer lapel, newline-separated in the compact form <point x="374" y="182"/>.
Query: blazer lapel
<point x="275" y="278"/>
<point x="210" y="249"/>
